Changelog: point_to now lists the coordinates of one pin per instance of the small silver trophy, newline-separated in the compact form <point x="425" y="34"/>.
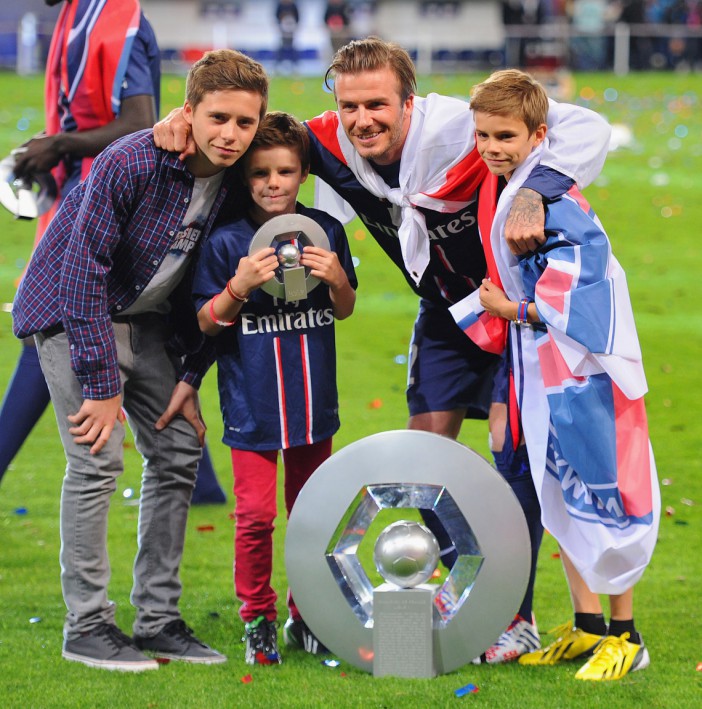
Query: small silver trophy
<point x="289" y="234"/>
<point x="293" y="274"/>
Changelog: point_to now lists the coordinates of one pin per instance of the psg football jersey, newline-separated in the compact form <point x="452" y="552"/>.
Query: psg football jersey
<point x="277" y="365"/>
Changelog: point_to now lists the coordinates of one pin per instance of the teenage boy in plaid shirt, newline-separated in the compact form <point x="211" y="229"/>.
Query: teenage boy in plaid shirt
<point x="107" y="297"/>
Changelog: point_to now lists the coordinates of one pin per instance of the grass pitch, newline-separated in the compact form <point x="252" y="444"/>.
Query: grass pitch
<point x="648" y="197"/>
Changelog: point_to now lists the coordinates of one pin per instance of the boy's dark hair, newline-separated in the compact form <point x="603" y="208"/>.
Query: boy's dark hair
<point x="514" y="94"/>
<point x="222" y="70"/>
<point x="371" y="54"/>
<point x="277" y="129"/>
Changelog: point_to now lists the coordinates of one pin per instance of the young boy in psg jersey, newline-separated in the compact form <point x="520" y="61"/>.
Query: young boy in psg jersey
<point x="276" y="365"/>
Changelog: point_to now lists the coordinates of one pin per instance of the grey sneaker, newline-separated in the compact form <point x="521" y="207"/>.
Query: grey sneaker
<point x="176" y="641"/>
<point x="108" y="648"/>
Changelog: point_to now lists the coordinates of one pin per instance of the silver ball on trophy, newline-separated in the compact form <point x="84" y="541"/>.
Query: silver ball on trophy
<point x="406" y="553"/>
<point x="289" y="256"/>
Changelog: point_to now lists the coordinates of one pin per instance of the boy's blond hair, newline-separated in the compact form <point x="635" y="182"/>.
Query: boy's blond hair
<point x="226" y="70"/>
<point x="280" y="129"/>
<point x="371" y="54"/>
<point x="514" y="94"/>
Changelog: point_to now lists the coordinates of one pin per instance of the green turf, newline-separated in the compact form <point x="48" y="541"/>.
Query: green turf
<point x="649" y="200"/>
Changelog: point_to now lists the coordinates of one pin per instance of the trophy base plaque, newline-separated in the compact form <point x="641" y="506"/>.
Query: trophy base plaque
<point x="295" y="283"/>
<point x="402" y="631"/>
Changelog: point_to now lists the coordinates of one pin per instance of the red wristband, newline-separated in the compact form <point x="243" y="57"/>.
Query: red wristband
<point x="215" y="319"/>
<point x="235" y="296"/>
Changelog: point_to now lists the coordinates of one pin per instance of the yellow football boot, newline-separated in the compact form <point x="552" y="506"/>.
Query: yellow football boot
<point x="614" y="657"/>
<point x="570" y="644"/>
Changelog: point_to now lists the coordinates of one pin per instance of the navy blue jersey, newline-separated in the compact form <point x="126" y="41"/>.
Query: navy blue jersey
<point x="277" y="365"/>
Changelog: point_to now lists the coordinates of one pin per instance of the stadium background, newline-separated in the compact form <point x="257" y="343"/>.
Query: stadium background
<point x="647" y="196"/>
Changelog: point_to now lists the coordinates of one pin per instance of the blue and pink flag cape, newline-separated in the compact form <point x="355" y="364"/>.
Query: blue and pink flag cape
<point x="580" y="386"/>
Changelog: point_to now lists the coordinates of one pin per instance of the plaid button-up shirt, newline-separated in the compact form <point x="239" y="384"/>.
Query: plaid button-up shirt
<point x="100" y="251"/>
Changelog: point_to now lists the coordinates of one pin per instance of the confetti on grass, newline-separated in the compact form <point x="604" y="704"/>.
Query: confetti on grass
<point x="468" y="689"/>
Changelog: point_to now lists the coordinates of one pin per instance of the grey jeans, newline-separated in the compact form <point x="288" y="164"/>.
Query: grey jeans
<point x="170" y="465"/>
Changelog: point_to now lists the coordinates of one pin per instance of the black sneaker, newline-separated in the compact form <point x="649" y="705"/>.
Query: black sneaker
<point x="176" y="641"/>
<point x="108" y="648"/>
<point x="262" y="642"/>
<point x="297" y="634"/>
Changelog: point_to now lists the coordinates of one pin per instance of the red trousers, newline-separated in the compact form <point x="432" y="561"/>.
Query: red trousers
<point x="255" y="486"/>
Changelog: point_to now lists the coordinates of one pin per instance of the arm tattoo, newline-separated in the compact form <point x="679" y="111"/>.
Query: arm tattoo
<point x="527" y="208"/>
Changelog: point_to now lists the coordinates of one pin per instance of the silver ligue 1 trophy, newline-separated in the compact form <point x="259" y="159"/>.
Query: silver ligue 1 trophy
<point x="289" y="234"/>
<point x="412" y="625"/>
<point x="26" y="198"/>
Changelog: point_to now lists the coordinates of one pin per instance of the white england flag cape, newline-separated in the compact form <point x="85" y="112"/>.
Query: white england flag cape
<point x="580" y="385"/>
<point x="439" y="169"/>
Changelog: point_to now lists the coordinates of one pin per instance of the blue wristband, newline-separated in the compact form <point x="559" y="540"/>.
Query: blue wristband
<point x="522" y="312"/>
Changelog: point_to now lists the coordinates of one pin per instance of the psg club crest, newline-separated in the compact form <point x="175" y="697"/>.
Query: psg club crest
<point x="352" y="522"/>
